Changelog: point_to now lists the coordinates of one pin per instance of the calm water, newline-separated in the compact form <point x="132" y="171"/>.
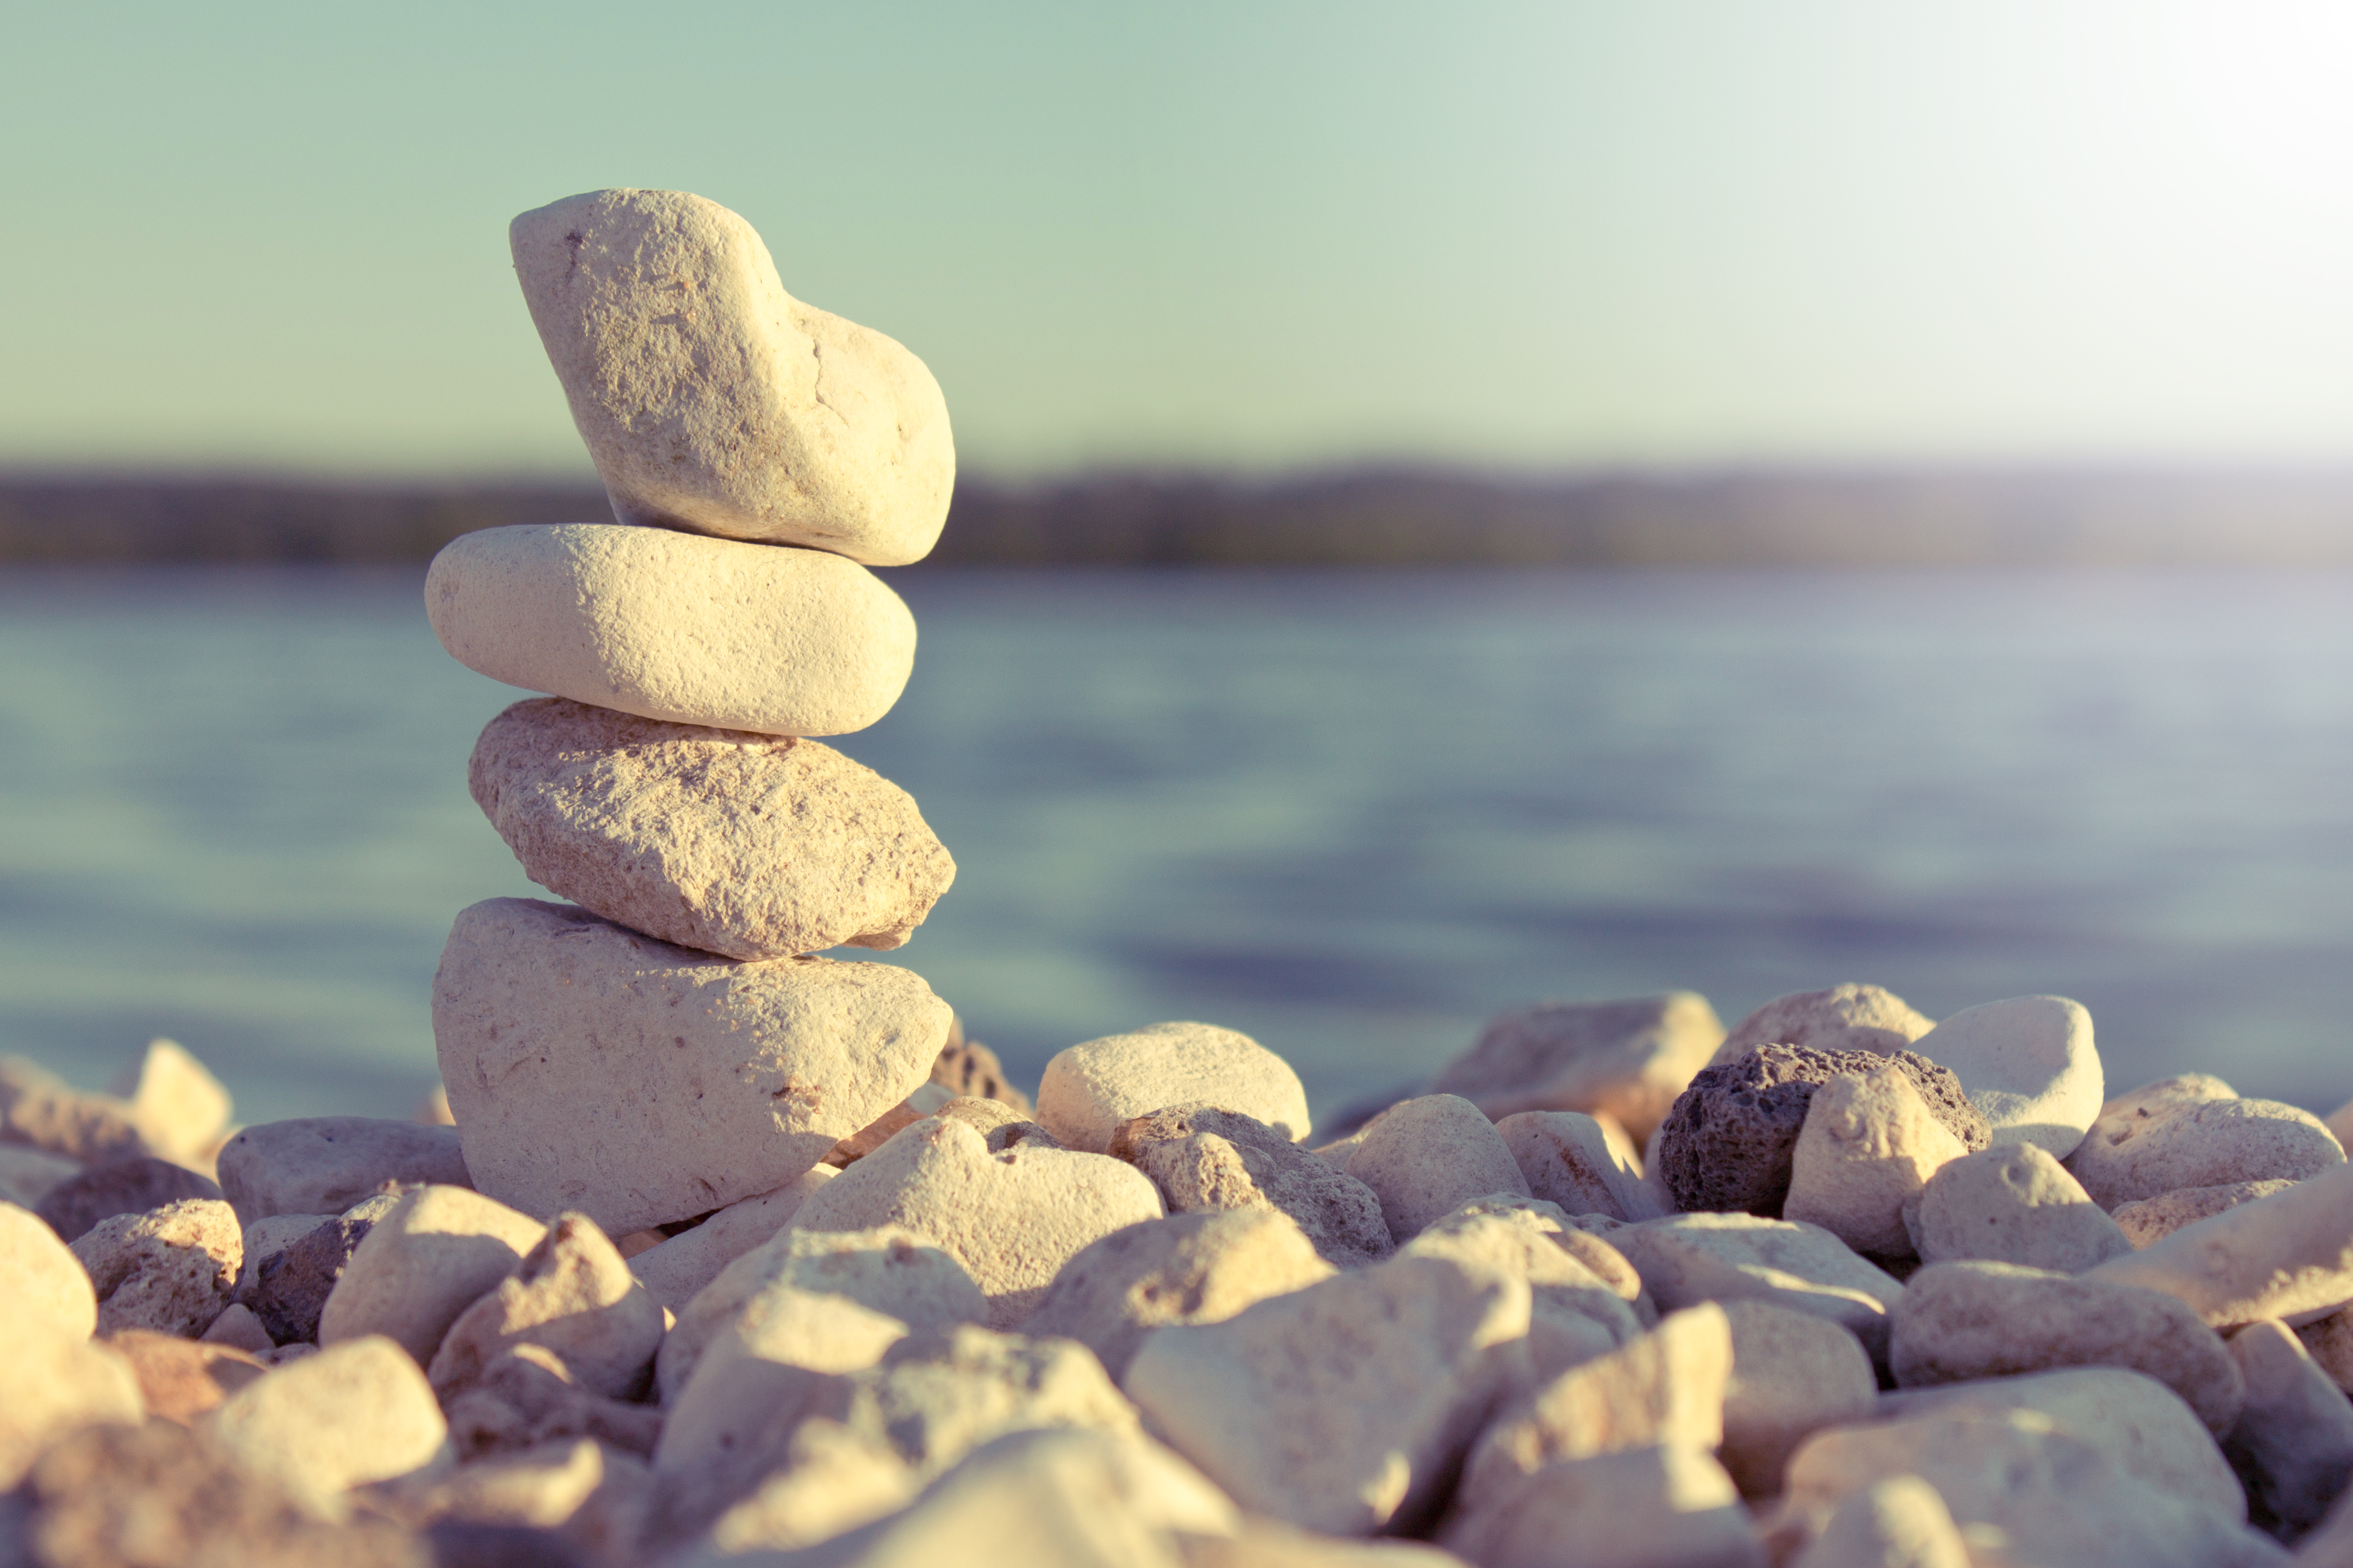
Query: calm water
<point x="1350" y="815"/>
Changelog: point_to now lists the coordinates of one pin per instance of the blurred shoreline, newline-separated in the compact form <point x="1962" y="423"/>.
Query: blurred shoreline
<point x="1894" y="517"/>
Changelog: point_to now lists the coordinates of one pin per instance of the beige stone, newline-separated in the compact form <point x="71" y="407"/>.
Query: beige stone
<point x="745" y="845"/>
<point x="675" y="627"/>
<point x="57" y="1384"/>
<point x="2029" y="1064"/>
<point x="1000" y="1123"/>
<point x="525" y="1397"/>
<point x="239" y="1329"/>
<point x="2147" y="1221"/>
<point x="1572" y="1160"/>
<point x="2194" y="1131"/>
<point x="2289" y="1256"/>
<point x="1663" y="1506"/>
<point x="2011" y="1204"/>
<point x="432" y="1255"/>
<point x="677" y="1270"/>
<point x="1090" y="1089"/>
<point x="1793" y="1374"/>
<point x="357" y="1412"/>
<point x="48" y="1290"/>
<point x="1197" y="1268"/>
<point x="1203" y="1158"/>
<point x="1848" y="1018"/>
<point x="1899" y="1522"/>
<point x="27" y="1175"/>
<point x="1343" y="1406"/>
<point x="1962" y="1321"/>
<point x="179" y="1106"/>
<point x="40" y="1110"/>
<point x="591" y="1495"/>
<point x="1426" y="1157"/>
<point x="172" y="1269"/>
<point x="574" y="1296"/>
<point x="1868" y="1147"/>
<point x="922" y="1101"/>
<point x="827" y="1481"/>
<point x="2294" y="1440"/>
<point x="1012" y="1219"/>
<point x="2340" y="1122"/>
<point x="640" y="1083"/>
<point x="181" y="1379"/>
<point x="326" y="1164"/>
<point x="1574" y="1314"/>
<point x="712" y="400"/>
<point x="1625" y="1060"/>
<point x="1686" y="1259"/>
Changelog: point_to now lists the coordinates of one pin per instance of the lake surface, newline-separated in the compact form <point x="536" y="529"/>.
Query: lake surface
<point x="1351" y="815"/>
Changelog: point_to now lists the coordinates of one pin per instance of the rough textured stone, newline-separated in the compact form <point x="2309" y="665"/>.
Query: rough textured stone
<point x="287" y="1289"/>
<point x="1012" y="1219"/>
<point x="676" y="1271"/>
<point x="746" y="844"/>
<point x="1091" y="1088"/>
<point x="171" y="1269"/>
<point x="1574" y="1314"/>
<point x="2011" y="1204"/>
<point x="1203" y="1158"/>
<point x="1899" y="1522"/>
<point x="2329" y="1342"/>
<point x="434" y="1253"/>
<point x="1848" y="1018"/>
<point x="357" y="1412"/>
<point x="1197" y="1268"/>
<point x="2293" y="1444"/>
<point x="1571" y="1159"/>
<point x="1793" y="1374"/>
<point x="326" y="1164"/>
<point x="2146" y="1221"/>
<point x="1426" y="1157"/>
<point x="1686" y="1259"/>
<point x="2289" y="1256"/>
<point x="1867" y="1148"/>
<point x="619" y="617"/>
<point x="58" y="1382"/>
<point x="2194" y="1131"/>
<point x="1727" y="1143"/>
<point x="49" y="1290"/>
<point x="1634" y="1507"/>
<point x="28" y="1176"/>
<point x="750" y="415"/>
<point x="1345" y="1406"/>
<point x="180" y="1380"/>
<point x="572" y="1295"/>
<point x="1626" y="1059"/>
<point x="1963" y="1321"/>
<point x="2029" y="1064"/>
<point x="40" y="1110"/>
<point x="594" y="1068"/>
<point x="1580" y="1235"/>
<point x="125" y="1187"/>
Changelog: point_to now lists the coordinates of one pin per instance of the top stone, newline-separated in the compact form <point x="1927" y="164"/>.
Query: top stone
<point x="714" y="401"/>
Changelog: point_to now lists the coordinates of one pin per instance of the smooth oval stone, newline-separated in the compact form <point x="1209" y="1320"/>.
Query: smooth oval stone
<point x="2029" y="1064"/>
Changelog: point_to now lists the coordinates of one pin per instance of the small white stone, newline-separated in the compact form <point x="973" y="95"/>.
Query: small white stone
<point x="1793" y="1374"/>
<point x="1625" y="1060"/>
<point x="1088" y="1089"/>
<point x="1636" y="1508"/>
<point x="1848" y="1018"/>
<point x="429" y="1258"/>
<point x="1899" y="1522"/>
<point x="2011" y="1204"/>
<point x="2029" y="1064"/>
<point x="2194" y="1131"/>
<point x="1686" y="1259"/>
<point x="571" y="1295"/>
<point x="1868" y="1147"/>
<point x="2289" y="1256"/>
<point x="1426" y="1157"/>
<point x="2295" y="1438"/>
<point x="676" y="1271"/>
<point x="355" y="1412"/>
<point x="48" y="1290"/>
<point x="172" y="1269"/>
<point x="1571" y="1159"/>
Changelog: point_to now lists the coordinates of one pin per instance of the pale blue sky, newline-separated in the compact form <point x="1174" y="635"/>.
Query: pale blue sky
<point x="1254" y="236"/>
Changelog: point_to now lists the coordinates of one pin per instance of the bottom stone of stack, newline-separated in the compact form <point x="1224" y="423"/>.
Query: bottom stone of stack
<point x="594" y="1068"/>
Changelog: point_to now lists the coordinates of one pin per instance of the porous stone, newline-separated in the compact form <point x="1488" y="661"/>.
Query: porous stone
<point x="1203" y="1158"/>
<point x="288" y="1288"/>
<point x="2011" y="1204"/>
<point x="1686" y="1259"/>
<point x="674" y="628"/>
<point x="1793" y="1374"/>
<point x="1958" y="1322"/>
<point x="1625" y="1060"/>
<point x="1868" y="1147"/>
<point x="1012" y="1219"/>
<point x="1727" y="1143"/>
<point x="58" y="1383"/>
<point x="2029" y="1064"/>
<point x="2146" y="1221"/>
<point x="1197" y="1268"/>
<point x="748" y="415"/>
<point x="48" y="1290"/>
<point x="180" y="1380"/>
<point x="1899" y="1522"/>
<point x="1574" y="1314"/>
<point x="430" y="1257"/>
<point x="2289" y="1256"/>
<point x="1426" y="1157"/>
<point x="326" y="1164"/>
<point x="676" y="1271"/>
<point x="594" y="1068"/>
<point x="745" y="845"/>
<point x="171" y="1269"/>
<point x="2194" y="1131"/>
<point x="1343" y="1407"/>
<point x="1634" y="1507"/>
<point x="40" y="1110"/>
<point x="2293" y="1444"/>
<point x="357" y="1412"/>
<point x="1090" y="1089"/>
<point x="1571" y="1159"/>
<point x="572" y="1295"/>
<point x="128" y="1186"/>
<point x="28" y="1176"/>
<point x="1848" y="1018"/>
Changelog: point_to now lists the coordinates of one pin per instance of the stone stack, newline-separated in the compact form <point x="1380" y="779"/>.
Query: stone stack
<point x="664" y="1045"/>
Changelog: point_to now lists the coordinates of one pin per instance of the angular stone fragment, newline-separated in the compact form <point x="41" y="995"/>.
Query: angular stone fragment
<point x="179" y="1106"/>
<point x="2029" y="1064"/>
<point x="1686" y="1259"/>
<point x="2146" y="1221"/>
<point x="2293" y="1444"/>
<point x="1090" y="1089"/>
<point x="1012" y="1219"/>
<point x="1793" y="1374"/>
<point x="2011" y="1204"/>
<point x="326" y="1164"/>
<point x="1962" y="1321"/>
<point x="2289" y="1256"/>
<point x="129" y="1186"/>
<point x="1727" y="1145"/>
<point x="674" y="628"/>
<point x="48" y="1290"/>
<point x="1867" y="1148"/>
<point x="171" y="1269"/>
<point x="572" y="1295"/>
<point x="594" y="1068"/>
<point x="2193" y="1131"/>
<point x="1197" y="1268"/>
<point x="1625" y="1060"/>
<point x="429" y="1258"/>
<point x="1848" y="1018"/>
<point x="748" y="415"/>
<point x="1203" y="1158"/>
<point x="673" y="1272"/>
<point x="1632" y="1508"/>
<point x="1273" y="1405"/>
<point x="355" y="1412"/>
<point x="40" y="1110"/>
<point x="1574" y="1314"/>
<point x="1899" y="1522"/>
<point x="745" y="845"/>
<point x="1426" y="1157"/>
<point x="181" y="1379"/>
<point x="28" y="1176"/>
<point x="1571" y="1159"/>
